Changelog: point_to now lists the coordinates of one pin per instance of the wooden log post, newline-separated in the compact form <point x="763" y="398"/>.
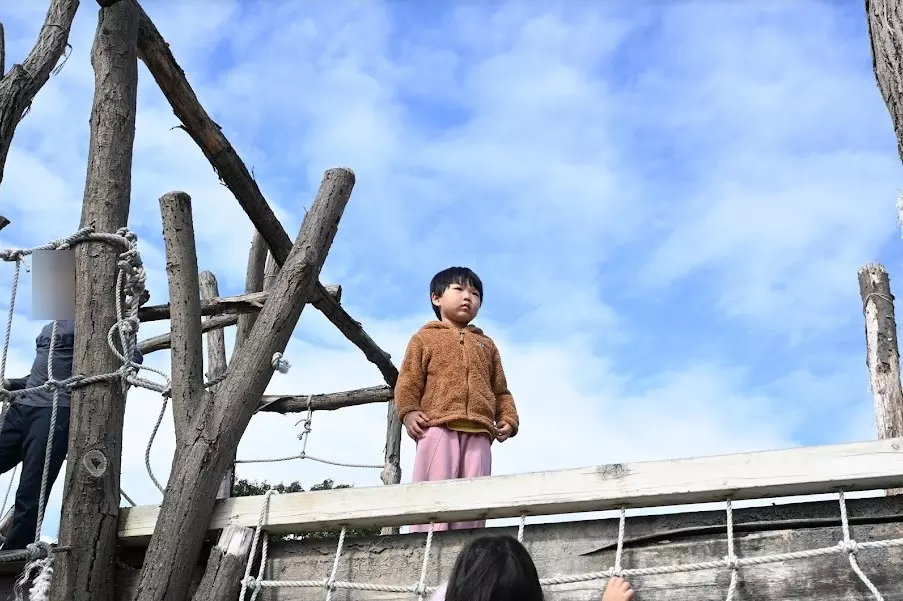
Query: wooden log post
<point x="202" y="461"/>
<point x="254" y="278"/>
<point x="21" y="84"/>
<point x="90" y="512"/>
<point x="885" y="25"/>
<point x="226" y="566"/>
<point x="297" y="403"/>
<point x="882" y="352"/>
<point x="185" y="306"/>
<point x="270" y="272"/>
<point x="216" y="365"/>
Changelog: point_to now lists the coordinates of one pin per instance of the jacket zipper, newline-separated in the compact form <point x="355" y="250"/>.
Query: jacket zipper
<point x="466" y="376"/>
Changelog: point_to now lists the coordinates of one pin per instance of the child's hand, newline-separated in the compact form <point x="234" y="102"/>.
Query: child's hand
<point x="414" y="423"/>
<point x="503" y="431"/>
<point x="617" y="589"/>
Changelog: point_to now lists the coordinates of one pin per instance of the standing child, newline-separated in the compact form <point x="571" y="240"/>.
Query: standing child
<point x="451" y="392"/>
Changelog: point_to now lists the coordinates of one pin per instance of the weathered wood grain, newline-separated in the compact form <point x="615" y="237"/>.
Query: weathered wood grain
<point x="90" y="510"/>
<point x="800" y="471"/>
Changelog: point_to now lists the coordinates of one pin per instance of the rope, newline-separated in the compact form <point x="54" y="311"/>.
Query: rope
<point x="731" y="557"/>
<point x="847" y="545"/>
<point x="304" y="437"/>
<point x="520" y="528"/>
<point x="130" y="283"/>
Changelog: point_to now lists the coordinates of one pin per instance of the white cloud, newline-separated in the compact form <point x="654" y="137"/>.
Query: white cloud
<point x="586" y="162"/>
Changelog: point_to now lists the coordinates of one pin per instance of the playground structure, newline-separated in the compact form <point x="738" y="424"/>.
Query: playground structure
<point x="844" y="549"/>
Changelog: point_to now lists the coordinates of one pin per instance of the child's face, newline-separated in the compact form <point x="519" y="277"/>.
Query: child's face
<point x="459" y="304"/>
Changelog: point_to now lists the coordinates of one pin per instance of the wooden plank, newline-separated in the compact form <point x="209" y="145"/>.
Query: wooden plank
<point x="801" y="471"/>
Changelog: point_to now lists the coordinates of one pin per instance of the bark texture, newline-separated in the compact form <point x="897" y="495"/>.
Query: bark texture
<point x="882" y="349"/>
<point x="21" y="84"/>
<point x="91" y="495"/>
<point x="326" y="402"/>
<point x="885" y="24"/>
<point x="227" y="305"/>
<point x="216" y="365"/>
<point x="226" y="566"/>
<point x="201" y="463"/>
<point x="164" y="341"/>
<point x="257" y="258"/>
<point x="187" y="362"/>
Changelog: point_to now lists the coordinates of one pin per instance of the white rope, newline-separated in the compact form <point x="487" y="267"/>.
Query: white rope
<point x="420" y="588"/>
<point x="328" y="584"/>
<point x="731" y="556"/>
<point x="622" y="527"/>
<point x="520" y="528"/>
<point x="304" y="437"/>
<point x="248" y="580"/>
<point x="847" y="545"/>
<point x="130" y="283"/>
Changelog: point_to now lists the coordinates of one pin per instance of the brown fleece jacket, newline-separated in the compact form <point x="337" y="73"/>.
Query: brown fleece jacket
<point x="451" y="374"/>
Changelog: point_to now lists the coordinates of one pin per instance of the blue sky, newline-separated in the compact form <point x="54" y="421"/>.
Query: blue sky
<point x="667" y="202"/>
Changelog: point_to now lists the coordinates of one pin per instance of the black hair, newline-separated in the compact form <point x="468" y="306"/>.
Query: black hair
<point x="453" y="275"/>
<point x="494" y="568"/>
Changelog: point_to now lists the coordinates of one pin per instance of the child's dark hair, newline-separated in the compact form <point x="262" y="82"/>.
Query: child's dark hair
<point x="453" y="275"/>
<point x="494" y="568"/>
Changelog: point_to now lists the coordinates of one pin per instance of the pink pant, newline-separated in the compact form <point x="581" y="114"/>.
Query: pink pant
<point x="444" y="454"/>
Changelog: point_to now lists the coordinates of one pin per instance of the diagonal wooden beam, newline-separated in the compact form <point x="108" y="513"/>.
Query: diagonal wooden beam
<point x="209" y="137"/>
<point x="21" y="84"/>
<point x="225" y="305"/>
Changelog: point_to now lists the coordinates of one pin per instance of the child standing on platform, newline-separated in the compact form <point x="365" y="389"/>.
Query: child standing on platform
<point x="451" y="392"/>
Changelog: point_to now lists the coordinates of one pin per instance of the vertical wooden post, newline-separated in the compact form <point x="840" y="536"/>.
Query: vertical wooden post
<point x="91" y="496"/>
<point x="188" y="395"/>
<point x="254" y="281"/>
<point x="216" y="363"/>
<point x="226" y="566"/>
<point x="882" y="351"/>
<point x="270" y="272"/>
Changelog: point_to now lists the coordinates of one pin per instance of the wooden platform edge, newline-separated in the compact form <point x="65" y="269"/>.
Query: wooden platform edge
<point x="776" y="473"/>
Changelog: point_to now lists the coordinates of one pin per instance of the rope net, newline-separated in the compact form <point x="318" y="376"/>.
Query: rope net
<point x="122" y="340"/>
<point x="731" y="562"/>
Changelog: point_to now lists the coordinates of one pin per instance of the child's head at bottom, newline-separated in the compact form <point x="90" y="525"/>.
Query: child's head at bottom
<point x="494" y="568"/>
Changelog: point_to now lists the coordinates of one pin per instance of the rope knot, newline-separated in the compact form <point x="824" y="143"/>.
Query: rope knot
<point x="849" y="546"/>
<point x="280" y="364"/>
<point x="38" y="550"/>
<point x="733" y="562"/>
<point x="54" y="384"/>
<point x="250" y="582"/>
<point x="329" y="584"/>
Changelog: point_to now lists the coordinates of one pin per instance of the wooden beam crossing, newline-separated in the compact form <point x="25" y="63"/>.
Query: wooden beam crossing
<point x="764" y="474"/>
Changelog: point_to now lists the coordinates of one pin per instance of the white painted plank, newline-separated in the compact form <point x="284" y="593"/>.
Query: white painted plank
<point x="781" y="473"/>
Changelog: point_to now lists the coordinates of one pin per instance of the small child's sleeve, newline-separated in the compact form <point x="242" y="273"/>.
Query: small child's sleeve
<point x="505" y="409"/>
<point x="411" y="379"/>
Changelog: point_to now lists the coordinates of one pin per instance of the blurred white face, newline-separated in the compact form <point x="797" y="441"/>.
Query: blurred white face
<point x="53" y="285"/>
